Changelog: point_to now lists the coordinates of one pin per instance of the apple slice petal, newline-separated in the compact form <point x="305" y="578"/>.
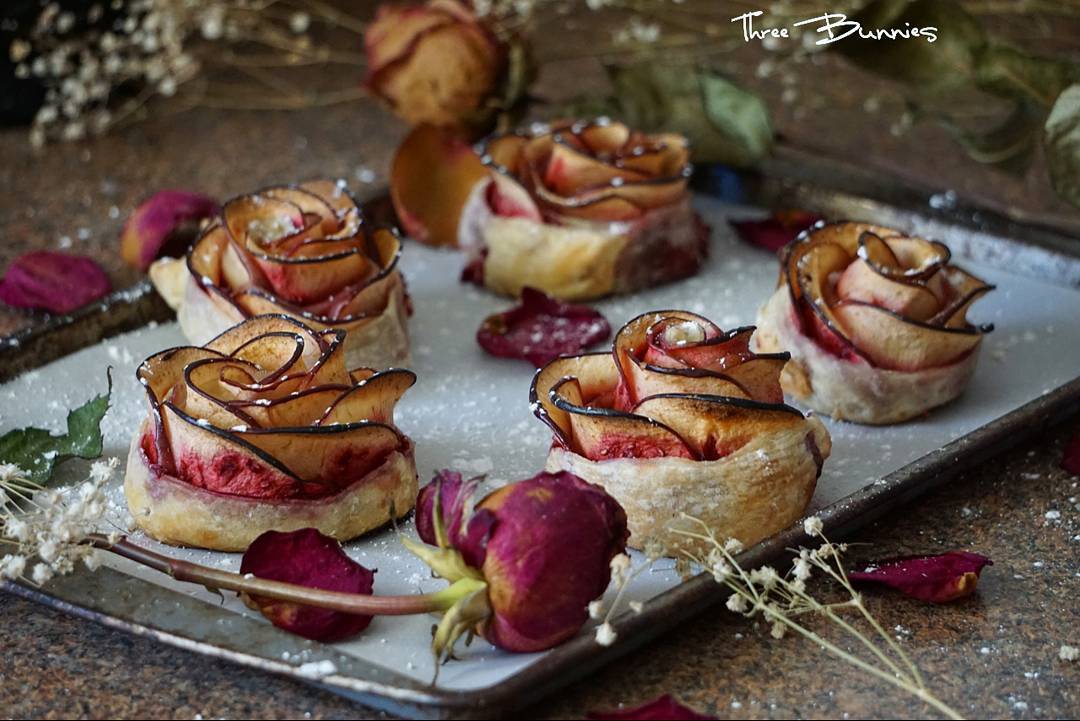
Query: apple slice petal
<point x="813" y="270"/>
<point x="203" y="258"/>
<point x="918" y="258"/>
<point x="241" y="334"/>
<point x="603" y="433"/>
<point x="333" y="193"/>
<point x="372" y="399"/>
<point x="262" y="220"/>
<point x="863" y="282"/>
<point x="846" y="235"/>
<point x="309" y="204"/>
<point x="165" y="370"/>
<point x="625" y="202"/>
<point x="327" y="457"/>
<point x="568" y="171"/>
<point x="609" y="138"/>
<point x="206" y="398"/>
<point x="893" y="342"/>
<point x="432" y="158"/>
<point x="715" y="426"/>
<point x="208" y="457"/>
<point x="760" y="376"/>
<point x="967" y="289"/>
<point x="504" y="152"/>
<point x="715" y="351"/>
<point x="596" y="376"/>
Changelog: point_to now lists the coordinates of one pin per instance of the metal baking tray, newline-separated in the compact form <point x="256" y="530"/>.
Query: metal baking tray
<point x="470" y="412"/>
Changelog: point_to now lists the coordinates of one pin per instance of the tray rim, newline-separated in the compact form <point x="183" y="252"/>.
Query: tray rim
<point x="138" y="305"/>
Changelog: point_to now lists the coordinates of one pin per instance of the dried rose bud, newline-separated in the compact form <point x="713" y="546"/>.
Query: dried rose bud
<point x="936" y="579"/>
<point x="307" y="558"/>
<point x="664" y="707"/>
<point x="776" y="231"/>
<point x="165" y="224"/>
<point x="542" y="546"/>
<point x="52" y="281"/>
<point x="541" y="329"/>
<point x="439" y="63"/>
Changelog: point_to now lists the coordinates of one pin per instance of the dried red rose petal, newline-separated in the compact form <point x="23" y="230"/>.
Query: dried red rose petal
<point x="52" y="281"/>
<point x="1071" y="460"/>
<point x="776" y="231"/>
<point x="936" y="579"/>
<point x="664" y="707"/>
<point x="307" y="558"/>
<point x="541" y="329"/>
<point x="166" y="223"/>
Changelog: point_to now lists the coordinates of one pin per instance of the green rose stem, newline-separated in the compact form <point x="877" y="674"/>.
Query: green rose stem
<point x="362" y="604"/>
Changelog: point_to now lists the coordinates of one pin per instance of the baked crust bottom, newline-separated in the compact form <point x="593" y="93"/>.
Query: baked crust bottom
<point x="180" y="514"/>
<point x="854" y="390"/>
<point x="756" y="491"/>
<point x="581" y="259"/>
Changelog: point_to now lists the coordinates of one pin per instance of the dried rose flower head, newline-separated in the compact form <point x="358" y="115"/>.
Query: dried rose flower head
<point x="541" y="547"/>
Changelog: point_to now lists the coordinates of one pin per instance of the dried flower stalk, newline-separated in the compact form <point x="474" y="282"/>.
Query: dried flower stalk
<point x="780" y="599"/>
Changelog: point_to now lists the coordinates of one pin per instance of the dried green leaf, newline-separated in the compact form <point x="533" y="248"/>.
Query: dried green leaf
<point x="1062" y="143"/>
<point x="1009" y="145"/>
<point x="724" y="122"/>
<point x="933" y="67"/>
<point x="37" y="451"/>
<point x="1010" y="72"/>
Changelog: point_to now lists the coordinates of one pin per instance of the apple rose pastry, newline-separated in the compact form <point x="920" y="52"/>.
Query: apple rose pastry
<point x="305" y="251"/>
<point x="682" y="418"/>
<point x="876" y="323"/>
<point x="265" y="429"/>
<point x="578" y="210"/>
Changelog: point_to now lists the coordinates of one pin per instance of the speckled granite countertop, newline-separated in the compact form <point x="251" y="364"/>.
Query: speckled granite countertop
<point x="992" y="655"/>
<point x="995" y="654"/>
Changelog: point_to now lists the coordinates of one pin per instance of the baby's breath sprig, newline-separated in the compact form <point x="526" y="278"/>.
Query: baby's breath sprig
<point x="99" y="69"/>
<point x="53" y="530"/>
<point x="622" y="573"/>
<point x="781" y="599"/>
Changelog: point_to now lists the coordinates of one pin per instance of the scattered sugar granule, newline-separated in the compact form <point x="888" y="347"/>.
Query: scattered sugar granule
<point x="1053" y="515"/>
<point x="1068" y="653"/>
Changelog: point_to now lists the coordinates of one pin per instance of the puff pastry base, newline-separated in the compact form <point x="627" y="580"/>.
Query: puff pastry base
<point x="180" y="514"/>
<point x="756" y="491"/>
<point x="853" y="390"/>
<point x="580" y="259"/>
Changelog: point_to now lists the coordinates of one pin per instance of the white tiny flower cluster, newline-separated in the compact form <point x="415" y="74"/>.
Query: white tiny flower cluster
<point x="782" y="600"/>
<point x="620" y="569"/>
<point x="52" y="526"/>
<point x="520" y="9"/>
<point x="145" y="44"/>
<point x="637" y="30"/>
